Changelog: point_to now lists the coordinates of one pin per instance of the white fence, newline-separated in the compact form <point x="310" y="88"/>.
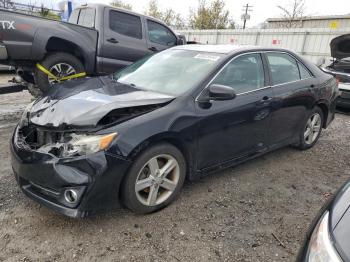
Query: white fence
<point x="311" y="43"/>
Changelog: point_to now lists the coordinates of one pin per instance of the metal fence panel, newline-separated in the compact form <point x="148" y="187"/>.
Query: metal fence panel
<point x="312" y="43"/>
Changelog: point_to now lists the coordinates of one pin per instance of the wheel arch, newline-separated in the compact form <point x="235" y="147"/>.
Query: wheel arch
<point x="174" y="140"/>
<point x="325" y="110"/>
<point x="56" y="44"/>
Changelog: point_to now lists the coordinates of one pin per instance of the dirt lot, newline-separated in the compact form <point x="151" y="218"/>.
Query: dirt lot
<point x="229" y="216"/>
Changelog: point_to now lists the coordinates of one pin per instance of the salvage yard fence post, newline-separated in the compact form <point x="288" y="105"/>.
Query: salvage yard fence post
<point x="311" y="43"/>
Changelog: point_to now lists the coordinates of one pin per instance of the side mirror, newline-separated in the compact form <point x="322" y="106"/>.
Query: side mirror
<point x="221" y="92"/>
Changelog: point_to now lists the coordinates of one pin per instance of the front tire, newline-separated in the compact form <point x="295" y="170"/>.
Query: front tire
<point x="59" y="64"/>
<point x="154" y="180"/>
<point x="312" y="129"/>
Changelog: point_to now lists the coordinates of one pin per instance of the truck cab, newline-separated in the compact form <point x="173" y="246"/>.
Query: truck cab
<point x="124" y="36"/>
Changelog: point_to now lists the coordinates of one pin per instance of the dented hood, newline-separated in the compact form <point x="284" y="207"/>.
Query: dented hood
<point x="340" y="46"/>
<point x="84" y="102"/>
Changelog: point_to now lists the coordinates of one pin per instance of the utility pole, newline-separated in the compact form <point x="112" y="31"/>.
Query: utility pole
<point x="246" y="16"/>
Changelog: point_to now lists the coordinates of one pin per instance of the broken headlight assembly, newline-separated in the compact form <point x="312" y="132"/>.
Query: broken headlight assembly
<point x="87" y="144"/>
<point x="321" y="248"/>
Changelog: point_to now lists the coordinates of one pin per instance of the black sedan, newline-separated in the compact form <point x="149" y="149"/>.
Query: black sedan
<point x="135" y="136"/>
<point x="328" y="238"/>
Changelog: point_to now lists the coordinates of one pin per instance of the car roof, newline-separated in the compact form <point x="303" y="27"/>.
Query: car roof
<point x="225" y="49"/>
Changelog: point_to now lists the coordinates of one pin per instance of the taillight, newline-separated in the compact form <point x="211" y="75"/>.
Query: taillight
<point x="337" y="79"/>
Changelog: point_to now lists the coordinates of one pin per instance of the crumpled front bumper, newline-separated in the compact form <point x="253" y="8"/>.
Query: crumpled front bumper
<point x="44" y="178"/>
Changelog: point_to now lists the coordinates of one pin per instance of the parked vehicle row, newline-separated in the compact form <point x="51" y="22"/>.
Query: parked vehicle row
<point x="99" y="39"/>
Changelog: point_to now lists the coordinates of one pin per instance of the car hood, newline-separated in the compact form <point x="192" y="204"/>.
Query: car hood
<point x="340" y="47"/>
<point x="84" y="102"/>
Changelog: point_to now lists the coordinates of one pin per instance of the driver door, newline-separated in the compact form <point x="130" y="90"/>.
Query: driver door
<point x="237" y="128"/>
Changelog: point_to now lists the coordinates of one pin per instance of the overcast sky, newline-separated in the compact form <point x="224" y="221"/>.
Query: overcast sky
<point x="262" y="9"/>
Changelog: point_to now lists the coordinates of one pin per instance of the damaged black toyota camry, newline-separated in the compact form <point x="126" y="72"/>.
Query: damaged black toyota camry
<point x="132" y="138"/>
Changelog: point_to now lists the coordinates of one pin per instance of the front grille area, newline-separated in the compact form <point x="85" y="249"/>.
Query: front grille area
<point x="35" y="137"/>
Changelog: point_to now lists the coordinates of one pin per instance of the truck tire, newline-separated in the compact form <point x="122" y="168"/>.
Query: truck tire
<point x="59" y="64"/>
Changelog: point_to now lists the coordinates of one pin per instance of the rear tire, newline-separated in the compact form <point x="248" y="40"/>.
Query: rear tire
<point x="56" y="59"/>
<point x="311" y="130"/>
<point x="143" y="189"/>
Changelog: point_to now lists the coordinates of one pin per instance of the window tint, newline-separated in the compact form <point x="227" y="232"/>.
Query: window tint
<point x="74" y="16"/>
<point x="304" y="73"/>
<point x="125" y="24"/>
<point x="159" y="34"/>
<point x="245" y="73"/>
<point x="283" y="67"/>
<point x="87" y="17"/>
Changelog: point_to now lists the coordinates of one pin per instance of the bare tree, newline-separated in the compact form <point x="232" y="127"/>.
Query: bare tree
<point x="169" y="16"/>
<point x="210" y="16"/>
<point x="121" y="4"/>
<point x="292" y="13"/>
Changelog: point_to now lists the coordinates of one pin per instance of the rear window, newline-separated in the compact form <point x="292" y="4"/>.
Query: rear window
<point x="87" y="17"/>
<point x="74" y="16"/>
<point x="125" y="24"/>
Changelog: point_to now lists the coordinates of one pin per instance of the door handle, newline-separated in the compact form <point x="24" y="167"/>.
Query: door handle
<point x="154" y="49"/>
<point x="265" y="100"/>
<point x="113" y="40"/>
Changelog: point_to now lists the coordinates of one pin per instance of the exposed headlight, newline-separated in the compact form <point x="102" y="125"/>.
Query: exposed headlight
<point x="86" y="144"/>
<point x="321" y="248"/>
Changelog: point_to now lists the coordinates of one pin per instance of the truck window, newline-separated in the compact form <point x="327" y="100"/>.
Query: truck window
<point x="87" y="17"/>
<point x="159" y="34"/>
<point x="125" y="24"/>
<point x="74" y="16"/>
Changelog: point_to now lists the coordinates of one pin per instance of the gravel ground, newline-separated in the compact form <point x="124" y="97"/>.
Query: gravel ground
<point x="232" y="215"/>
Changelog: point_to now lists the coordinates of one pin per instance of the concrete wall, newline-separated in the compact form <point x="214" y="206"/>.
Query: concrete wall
<point x="312" y="43"/>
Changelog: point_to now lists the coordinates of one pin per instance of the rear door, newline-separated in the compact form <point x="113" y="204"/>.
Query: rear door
<point x="124" y="41"/>
<point x="292" y="85"/>
<point x="159" y="37"/>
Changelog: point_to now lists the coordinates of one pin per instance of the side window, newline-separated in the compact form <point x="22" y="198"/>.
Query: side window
<point x="87" y="17"/>
<point x="125" y="24"/>
<point x="304" y="73"/>
<point x="159" y="34"/>
<point x="74" y="16"/>
<point x="283" y="67"/>
<point x="245" y="73"/>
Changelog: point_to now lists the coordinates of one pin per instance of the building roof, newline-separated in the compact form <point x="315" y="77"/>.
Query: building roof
<point x="308" y="18"/>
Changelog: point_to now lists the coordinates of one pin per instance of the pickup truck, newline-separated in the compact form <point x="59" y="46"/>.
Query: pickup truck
<point x="98" y="39"/>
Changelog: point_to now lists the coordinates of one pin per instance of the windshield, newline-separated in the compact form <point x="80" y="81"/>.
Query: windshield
<point x="171" y="72"/>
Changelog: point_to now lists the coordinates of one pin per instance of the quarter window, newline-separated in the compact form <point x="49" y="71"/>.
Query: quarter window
<point x="125" y="24"/>
<point x="159" y="34"/>
<point x="283" y="68"/>
<point x="304" y="73"/>
<point x="245" y="73"/>
<point x="87" y="17"/>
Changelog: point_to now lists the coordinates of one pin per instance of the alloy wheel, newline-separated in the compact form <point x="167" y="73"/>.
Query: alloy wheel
<point x="313" y="128"/>
<point x="60" y="70"/>
<point x="157" y="180"/>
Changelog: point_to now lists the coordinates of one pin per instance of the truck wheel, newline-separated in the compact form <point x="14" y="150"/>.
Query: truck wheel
<point x="60" y="65"/>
